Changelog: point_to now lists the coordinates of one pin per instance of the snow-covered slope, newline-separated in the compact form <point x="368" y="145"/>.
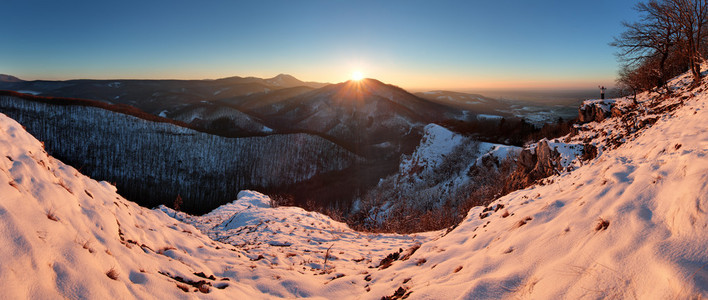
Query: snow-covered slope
<point x="438" y="170"/>
<point x="62" y="233"/>
<point x="631" y="223"/>
<point x="217" y="117"/>
<point x="65" y="235"/>
<point x="438" y="143"/>
<point x="301" y="238"/>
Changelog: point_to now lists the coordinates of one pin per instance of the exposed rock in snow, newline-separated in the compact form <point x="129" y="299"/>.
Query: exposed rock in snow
<point x="594" y="110"/>
<point x="437" y="173"/>
<point x="436" y="143"/>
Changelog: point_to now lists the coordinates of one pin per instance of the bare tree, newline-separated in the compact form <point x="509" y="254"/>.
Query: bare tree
<point x="651" y="40"/>
<point x="690" y="17"/>
<point x="634" y="79"/>
<point x="669" y="38"/>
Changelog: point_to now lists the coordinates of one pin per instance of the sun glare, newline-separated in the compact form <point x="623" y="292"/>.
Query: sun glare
<point x="356" y="76"/>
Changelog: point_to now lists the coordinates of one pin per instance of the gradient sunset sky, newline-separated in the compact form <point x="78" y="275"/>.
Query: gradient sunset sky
<point x="418" y="45"/>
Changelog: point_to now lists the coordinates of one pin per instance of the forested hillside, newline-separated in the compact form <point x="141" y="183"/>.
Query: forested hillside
<point x="153" y="163"/>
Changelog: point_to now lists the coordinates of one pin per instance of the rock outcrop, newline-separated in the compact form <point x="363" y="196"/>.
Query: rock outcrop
<point x="595" y="110"/>
<point x="535" y="164"/>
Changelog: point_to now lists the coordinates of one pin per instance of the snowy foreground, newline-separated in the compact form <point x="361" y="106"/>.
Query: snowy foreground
<point x="631" y="223"/>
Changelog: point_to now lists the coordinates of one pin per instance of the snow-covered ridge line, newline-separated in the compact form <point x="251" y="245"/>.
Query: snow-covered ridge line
<point x="121" y="109"/>
<point x="439" y="142"/>
<point x="442" y="170"/>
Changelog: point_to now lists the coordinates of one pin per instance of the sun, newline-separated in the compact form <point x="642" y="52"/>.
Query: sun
<point x="356" y="76"/>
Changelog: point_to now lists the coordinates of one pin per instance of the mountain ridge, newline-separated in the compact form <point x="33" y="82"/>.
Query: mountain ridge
<point x="9" y="78"/>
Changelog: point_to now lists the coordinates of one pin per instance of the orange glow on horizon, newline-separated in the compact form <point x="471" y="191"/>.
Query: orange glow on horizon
<point x="407" y="79"/>
<point x="357" y="75"/>
<point x="354" y="92"/>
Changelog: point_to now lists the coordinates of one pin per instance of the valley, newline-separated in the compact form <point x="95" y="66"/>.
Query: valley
<point x="636" y="203"/>
<point x="323" y="146"/>
<point x="367" y="150"/>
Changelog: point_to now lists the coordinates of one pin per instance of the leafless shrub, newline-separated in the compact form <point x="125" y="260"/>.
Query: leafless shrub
<point x="52" y="216"/>
<point x="62" y="184"/>
<point x="602" y="224"/>
<point x="400" y="293"/>
<point x="522" y="222"/>
<point x="14" y="184"/>
<point x="112" y="274"/>
<point x="177" y="204"/>
<point x="388" y="260"/>
<point x="277" y="200"/>
<point x="327" y="255"/>
<point x="87" y="245"/>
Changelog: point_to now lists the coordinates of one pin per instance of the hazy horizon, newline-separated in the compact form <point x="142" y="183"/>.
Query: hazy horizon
<point x="536" y="94"/>
<point x="417" y="45"/>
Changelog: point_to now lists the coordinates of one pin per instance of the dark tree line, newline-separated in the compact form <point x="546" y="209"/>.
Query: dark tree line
<point x="670" y="38"/>
<point x="153" y="163"/>
<point x="509" y="131"/>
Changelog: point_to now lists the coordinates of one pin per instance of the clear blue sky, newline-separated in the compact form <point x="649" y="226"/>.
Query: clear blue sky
<point x="414" y="44"/>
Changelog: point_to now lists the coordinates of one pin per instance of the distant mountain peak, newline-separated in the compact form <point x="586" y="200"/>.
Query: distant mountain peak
<point x="284" y="76"/>
<point x="279" y="81"/>
<point x="285" y="80"/>
<point x="369" y="86"/>
<point x="9" y="78"/>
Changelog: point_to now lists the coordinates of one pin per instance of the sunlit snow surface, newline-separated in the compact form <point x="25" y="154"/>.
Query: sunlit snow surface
<point x="651" y="192"/>
<point x="251" y="224"/>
